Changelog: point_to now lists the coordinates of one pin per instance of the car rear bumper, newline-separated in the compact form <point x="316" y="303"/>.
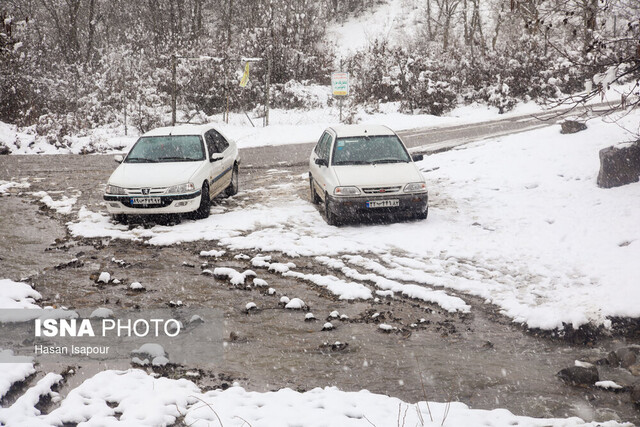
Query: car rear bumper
<point x="173" y="204"/>
<point x="414" y="203"/>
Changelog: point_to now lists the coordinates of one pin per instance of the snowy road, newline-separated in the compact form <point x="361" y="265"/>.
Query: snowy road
<point x="444" y="299"/>
<point x="421" y="140"/>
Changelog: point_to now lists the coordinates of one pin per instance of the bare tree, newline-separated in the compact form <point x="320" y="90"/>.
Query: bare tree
<point x="446" y="12"/>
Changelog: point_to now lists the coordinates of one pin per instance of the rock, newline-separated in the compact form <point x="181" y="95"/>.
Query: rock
<point x="327" y="326"/>
<point x="337" y="346"/>
<point x="488" y="345"/>
<point x="295" y="304"/>
<point x="635" y="394"/>
<point x="627" y="356"/>
<point x="385" y="328"/>
<point x="136" y="286"/>
<point x="572" y="126"/>
<point x="579" y="376"/>
<point x="619" y="166"/>
<point x="4" y="150"/>
<point x="635" y="369"/>
<point x="603" y="415"/>
<point x="612" y="359"/>
<point x="104" y="277"/>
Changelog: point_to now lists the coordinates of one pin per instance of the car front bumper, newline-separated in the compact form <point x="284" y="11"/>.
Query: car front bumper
<point x="173" y="204"/>
<point x="411" y="203"/>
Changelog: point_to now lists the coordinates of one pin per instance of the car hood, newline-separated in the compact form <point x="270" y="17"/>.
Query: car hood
<point x="153" y="175"/>
<point x="380" y="175"/>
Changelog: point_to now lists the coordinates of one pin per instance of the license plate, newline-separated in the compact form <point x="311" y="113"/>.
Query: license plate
<point x="145" y="201"/>
<point x="383" y="203"/>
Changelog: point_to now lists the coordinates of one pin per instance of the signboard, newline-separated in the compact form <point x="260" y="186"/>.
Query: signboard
<point x="245" y="76"/>
<point x="340" y="84"/>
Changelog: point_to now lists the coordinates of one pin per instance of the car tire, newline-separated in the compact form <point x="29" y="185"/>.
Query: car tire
<point x="315" y="199"/>
<point x="232" y="189"/>
<point x="121" y="218"/>
<point x="332" y="218"/>
<point x="205" y="203"/>
<point x="423" y="215"/>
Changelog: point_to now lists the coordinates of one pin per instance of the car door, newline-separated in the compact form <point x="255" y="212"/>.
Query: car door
<point x="321" y="173"/>
<point x="216" y="167"/>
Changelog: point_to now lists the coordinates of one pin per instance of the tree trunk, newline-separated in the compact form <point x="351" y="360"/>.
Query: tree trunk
<point x="92" y="29"/>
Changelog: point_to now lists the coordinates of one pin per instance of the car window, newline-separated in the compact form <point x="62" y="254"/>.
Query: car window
<point x="325" y="147"/>
<point x="159" y="149"/>
<point x="218" y="143"/>
<point x="369" y="150"/>
<point x="211" y="143"/>
<point x="320" y="143"/>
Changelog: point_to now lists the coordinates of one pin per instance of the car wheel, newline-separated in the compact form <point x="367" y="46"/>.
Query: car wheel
<point x="315" y="199"/>
<point x="423" y="215"/>
<point x="332" y="218"/>
<point x="120" y="218"/>
<point x="205" y="203"/>
<point x="232" y="189"/>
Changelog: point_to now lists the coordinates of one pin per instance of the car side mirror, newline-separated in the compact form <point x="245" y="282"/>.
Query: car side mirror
<point x="215" y="157"/>
<point x="118" y="158"/>
<point x="321" y="162"/>
<point x="417" y="157"/>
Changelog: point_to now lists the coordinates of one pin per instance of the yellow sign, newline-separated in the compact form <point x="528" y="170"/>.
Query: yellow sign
<point x="245" y="76"/>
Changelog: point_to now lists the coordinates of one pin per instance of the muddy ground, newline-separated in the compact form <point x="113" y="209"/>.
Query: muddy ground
<point x="481" y="358"/>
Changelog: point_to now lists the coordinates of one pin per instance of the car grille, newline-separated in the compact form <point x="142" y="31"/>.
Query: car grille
<point x="152" y="191"/>
<point x="381" y="190"/>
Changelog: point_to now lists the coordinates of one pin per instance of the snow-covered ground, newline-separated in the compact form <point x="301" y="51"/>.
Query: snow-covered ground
<point x="517" y="221"/>
<point x="285" y="126"/>
<point x="135" y="398"/>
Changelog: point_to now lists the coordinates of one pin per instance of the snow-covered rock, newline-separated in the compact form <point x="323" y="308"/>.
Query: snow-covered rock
<point x="104" y="277"/>
<point x="295" y="304"/>
<point x="101" y="313"/>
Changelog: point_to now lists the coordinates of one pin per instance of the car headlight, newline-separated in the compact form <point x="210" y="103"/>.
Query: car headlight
<point x="182" y="188"/>
<point x="114" y="189"/>
<point x="415" y="187"/>
<point x="346" y="191"/>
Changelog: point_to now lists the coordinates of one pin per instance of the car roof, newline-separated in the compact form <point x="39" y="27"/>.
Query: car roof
<point x="180" y="130"/>
<point x="360" y="130"/>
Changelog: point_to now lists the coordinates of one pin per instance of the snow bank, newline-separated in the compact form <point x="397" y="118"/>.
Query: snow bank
<point x="17" y="295"/>
<point x="62" y="206"/>
<point x="13" y="369"/>
<point x="134" y="398"/>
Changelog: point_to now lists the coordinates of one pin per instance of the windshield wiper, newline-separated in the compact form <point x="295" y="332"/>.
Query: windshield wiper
<point x="375" y="162"/>
<point x="177" y="159"/>
<point x="351" y="162"/>
<point x="140" y="160"/>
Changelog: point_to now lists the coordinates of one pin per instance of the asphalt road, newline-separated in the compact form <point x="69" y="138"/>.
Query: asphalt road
<point x="424" y="140"/>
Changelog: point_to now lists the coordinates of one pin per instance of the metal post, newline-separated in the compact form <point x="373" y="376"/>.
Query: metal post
<point x="266" y="96"/>
<point x="340" y="97"/>
<point x="174" y="90"/>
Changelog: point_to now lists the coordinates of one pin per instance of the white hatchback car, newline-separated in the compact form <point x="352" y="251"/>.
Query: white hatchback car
<point x="173" y="170"/>
<point x="363" y="170"/>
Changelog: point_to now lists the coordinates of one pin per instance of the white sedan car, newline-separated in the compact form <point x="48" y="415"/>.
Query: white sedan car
<point x="363" y="170"/>
<point x="173" y="170"/>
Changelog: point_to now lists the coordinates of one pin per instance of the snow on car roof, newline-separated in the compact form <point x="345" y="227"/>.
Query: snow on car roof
<point x="180" y="130"/>
<point x="359" y="130"/>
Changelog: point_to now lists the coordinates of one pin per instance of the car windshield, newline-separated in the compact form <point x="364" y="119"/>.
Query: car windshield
<point x="159" y="149"/>
<point x="365" y="150"/>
